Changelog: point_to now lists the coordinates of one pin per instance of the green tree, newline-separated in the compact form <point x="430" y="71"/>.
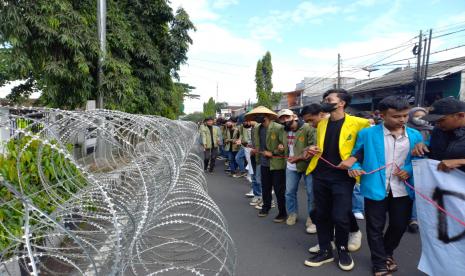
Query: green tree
<point x="264" y="83"/>
<point x="220" y="105"/>
<point x="209" y="108"/>
<point x="54" y="44"/>
<point x="194" y="117"/>
<point x="5" y="54"/>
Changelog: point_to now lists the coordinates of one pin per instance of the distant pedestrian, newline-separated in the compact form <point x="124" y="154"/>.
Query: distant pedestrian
<point x="231" y="135"/>
<point x="210" y="139"/>
<point x="416" y="121"/>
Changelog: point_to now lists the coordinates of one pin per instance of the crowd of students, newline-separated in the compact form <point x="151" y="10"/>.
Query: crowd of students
<point x="352" y="168"/>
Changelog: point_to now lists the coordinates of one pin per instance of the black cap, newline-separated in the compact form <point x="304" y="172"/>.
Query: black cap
<point x="444" y="107"/>
<point x="208" y="119"/>
<point x="232" y="119"/>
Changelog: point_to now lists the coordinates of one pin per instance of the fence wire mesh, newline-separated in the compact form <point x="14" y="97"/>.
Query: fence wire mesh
<point x="106" y="193"/>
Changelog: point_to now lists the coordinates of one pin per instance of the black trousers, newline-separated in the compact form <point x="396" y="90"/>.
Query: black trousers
<point x="333" y="211"/>
<point x="209" y="158"/>
<point x="383" y="245"/>
<point x="275" y="179"/>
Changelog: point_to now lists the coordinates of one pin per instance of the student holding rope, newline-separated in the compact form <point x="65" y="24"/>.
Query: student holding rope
<point x="386" y="156"/>
<point x="332" y="187"/>
<point x="270" y="150"/>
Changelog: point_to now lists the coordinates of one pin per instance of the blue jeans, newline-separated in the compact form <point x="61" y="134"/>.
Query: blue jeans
<point x="240" y="160"/>
<point x="223" y="153"/>
<point x="357" y="200"/>
<point x="256" y="182"/>
<point x="232" y="160"/>
<point x="292" y="185"/>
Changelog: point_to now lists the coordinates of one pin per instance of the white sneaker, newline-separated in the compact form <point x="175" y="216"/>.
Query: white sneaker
<point x="250" y="194"/>
<point x="355" y="241"/>
<point x="255" y="201"/>
<point x="260" y="205"/>
<point x="315" y="249"/>
<point x="291" y="219"/>
<point x="359" y="216"/>
<point x="311" y="229"/>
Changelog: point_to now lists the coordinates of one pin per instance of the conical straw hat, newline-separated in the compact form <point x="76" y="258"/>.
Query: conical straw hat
<point x="260" y="110"/>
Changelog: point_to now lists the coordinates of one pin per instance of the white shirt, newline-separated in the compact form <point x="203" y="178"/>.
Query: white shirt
<point x="396" y="150"/>
<point x="290" y="144"/>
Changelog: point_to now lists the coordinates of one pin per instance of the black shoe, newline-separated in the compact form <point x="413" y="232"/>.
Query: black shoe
<point x="346" y="262"/>
<point x="280" y="218"/>
<point x="211" y="172"/>
<point x="413" y="227"/>
<point x="263" y="213"/>
<point x="319" y="259"/>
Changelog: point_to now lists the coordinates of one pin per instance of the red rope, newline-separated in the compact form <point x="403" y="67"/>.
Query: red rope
<point x="428" y="199"/>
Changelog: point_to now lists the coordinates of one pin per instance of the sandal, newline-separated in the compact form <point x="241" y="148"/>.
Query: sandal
<point x="382" y="272"/>
<point x="391" y="264"/>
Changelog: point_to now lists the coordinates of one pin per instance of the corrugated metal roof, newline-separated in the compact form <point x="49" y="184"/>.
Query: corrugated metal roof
<point x="436" y="70"/>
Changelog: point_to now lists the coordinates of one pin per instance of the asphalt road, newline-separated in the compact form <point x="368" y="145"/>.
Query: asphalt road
<point x="268" y="249"/>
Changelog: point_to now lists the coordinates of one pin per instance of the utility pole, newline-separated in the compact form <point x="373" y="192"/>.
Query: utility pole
<point x="101" y="30"/>
<point x="418" y="72"/>
<point x="338" y="71"/>
<point x="217" y="92"/>
<point x="425" y="73"/>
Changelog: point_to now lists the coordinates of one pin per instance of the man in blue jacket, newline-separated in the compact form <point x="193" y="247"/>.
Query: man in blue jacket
<point x="389" y="144"/>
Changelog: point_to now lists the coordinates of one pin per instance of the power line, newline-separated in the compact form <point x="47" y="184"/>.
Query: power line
<point x="448" y="49"/>
<point x="407" y="43"/>
<point x="450" y="33"/>
<point x="446" y="28"/>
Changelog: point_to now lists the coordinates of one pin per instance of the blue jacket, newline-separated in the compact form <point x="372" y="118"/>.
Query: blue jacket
<point x="371" y="142"/>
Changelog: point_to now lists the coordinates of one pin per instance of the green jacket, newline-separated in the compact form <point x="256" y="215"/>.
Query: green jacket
<point x="235" y="136"/>
<point x="305" y="136"/>
<point x="244" y="135"/>
<point x="206" y="136"/>
<point x="275" y="135"/>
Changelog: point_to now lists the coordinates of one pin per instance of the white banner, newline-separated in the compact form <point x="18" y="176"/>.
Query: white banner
<point x="442" y="238"/>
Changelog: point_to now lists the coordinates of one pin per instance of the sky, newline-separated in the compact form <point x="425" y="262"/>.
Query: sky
<point x="304" y="38"/>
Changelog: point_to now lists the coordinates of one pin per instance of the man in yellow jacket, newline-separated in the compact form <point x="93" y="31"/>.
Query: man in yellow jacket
<point x="333" y="187"/>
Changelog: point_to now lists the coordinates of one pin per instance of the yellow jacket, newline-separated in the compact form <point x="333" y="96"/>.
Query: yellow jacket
<point x="350" y="128"/>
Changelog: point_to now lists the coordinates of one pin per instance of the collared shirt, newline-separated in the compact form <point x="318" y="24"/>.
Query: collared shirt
<point x="290" y="144"/>
<point x="396" y="150"/>
<point x="446" y="145"/>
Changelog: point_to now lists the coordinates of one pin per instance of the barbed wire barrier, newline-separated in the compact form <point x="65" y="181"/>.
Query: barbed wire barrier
<point x="106" y="193"/>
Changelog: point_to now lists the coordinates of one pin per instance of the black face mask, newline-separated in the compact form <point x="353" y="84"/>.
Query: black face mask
<point x="288" y="125"/>
<point x="260" y="119"/>
<point x="328" y="107"/>
<point x="247" y="126"/>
